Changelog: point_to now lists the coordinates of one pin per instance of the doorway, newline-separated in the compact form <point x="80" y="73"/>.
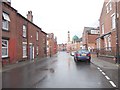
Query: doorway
<point x="31" y="52"/>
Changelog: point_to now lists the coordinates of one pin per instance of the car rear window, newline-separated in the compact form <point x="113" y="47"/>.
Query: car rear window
<point x="83" y="51"/>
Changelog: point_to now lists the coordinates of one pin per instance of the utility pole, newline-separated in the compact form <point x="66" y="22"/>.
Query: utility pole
<point x="117" y="40"/>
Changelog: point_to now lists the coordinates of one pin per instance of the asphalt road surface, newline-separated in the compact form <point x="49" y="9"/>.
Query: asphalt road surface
<point x="59" y="71"/>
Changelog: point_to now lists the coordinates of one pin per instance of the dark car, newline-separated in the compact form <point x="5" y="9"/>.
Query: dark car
<point x="82" y="55"/>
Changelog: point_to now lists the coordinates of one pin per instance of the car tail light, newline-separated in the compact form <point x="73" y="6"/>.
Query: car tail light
<point x="77" y="54"/>
<point x="89" y="55"/>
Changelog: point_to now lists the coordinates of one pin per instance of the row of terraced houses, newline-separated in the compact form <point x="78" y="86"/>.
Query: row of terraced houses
<point x="20" y="38"/>
<point x="106" y="38"/>
<point x="108" y="42"/>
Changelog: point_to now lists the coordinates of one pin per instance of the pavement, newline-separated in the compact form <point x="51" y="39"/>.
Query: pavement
<point x="20" y="64"/>
<point x="104" y="62"/>
<point x="98" y="61"/>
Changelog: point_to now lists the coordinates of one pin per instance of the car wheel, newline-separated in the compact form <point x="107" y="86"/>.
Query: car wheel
<point x="75" y="59"/>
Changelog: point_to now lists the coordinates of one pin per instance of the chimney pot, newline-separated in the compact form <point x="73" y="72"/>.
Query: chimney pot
<point x="30" y="16"/>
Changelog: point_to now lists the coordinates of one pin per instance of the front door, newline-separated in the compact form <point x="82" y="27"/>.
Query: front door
<point x="31" y="52"/>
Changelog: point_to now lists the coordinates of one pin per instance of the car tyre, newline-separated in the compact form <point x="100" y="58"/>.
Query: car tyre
<point x="75" y="60"/>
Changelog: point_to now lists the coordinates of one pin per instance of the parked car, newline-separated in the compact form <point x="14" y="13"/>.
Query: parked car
<point x="82" y="55"/>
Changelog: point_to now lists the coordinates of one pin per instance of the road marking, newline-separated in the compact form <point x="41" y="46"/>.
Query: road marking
<point x="107" y="77"/>
<point x="103" y="73"/>
<point x="112" y="83"/>
<point x="98" y="68"/>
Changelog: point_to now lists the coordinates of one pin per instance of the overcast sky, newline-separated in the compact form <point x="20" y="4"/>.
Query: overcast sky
<point x="61" y="16"/>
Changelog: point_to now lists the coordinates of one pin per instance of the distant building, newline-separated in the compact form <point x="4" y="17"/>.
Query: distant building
<point x="74" y="44"/>
<point x="89" y="37"/>
<point x="62" y="47"/>
<point x="51" y="44"/>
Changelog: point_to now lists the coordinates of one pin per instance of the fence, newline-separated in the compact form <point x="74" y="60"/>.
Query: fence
<point x="108" y="51"/>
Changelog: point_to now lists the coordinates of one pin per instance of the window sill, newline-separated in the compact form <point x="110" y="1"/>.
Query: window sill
<point x="24" y="56"/>
<point x="5" y="57"/>
<point x="5" y="30"/>
<point x="24" y="37"/>
<point x="114" y="29"/>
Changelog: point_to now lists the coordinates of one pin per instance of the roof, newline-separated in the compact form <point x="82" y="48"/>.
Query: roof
<point x="75" y="38"/>
<point x="103" y="35"/>
<point x="24" y="17"/>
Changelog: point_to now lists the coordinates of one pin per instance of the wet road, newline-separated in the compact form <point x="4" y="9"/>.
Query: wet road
<point x="59" y="71"/>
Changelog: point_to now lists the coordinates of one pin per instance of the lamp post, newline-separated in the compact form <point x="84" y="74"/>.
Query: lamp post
<point x="117" y="39"/>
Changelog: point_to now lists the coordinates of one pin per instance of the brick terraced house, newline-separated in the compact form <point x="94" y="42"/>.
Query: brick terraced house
<point x="106" y="42"/>
<point x="89" y="37"/>
<point x="51" y="44"/>
<point x="21" y="38"/>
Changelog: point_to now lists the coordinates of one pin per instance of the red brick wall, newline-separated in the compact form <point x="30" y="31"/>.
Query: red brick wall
<point x="92" y="38"/>
<point x="20" y="39"/>
<point x="119" y="24"/>
<point x="32" y="38"/>
<point x="53" y="45"/>
<point x="106" y="19"/>
<point x="43" y="43"/>
<point x="16" y="39"/>
<point x="11" y="34"/>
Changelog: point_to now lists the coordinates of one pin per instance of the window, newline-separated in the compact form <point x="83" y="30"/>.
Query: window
<point x="37" y="35"/>
<point x="37" y="50"/>
<point x="107" y="9"/>
<point x="109" y="6"/>
<point x="103" y="29"/>
<point x="9" y="0"/>
<point x="24" y="50"/>
<point x="5" y="21"/>
<point x="24" y="31"/>
<point x="4" y="48"/>
<point x="98" y="43"/>
<point x="113" y="22"/>
<point x="105" y="42"/>
<point x="94" y="31"/>
<point x="109" y="43"/>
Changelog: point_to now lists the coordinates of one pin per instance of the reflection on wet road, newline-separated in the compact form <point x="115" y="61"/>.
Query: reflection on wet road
<point x="68" y="74"/>
<point x="57" y="72"/>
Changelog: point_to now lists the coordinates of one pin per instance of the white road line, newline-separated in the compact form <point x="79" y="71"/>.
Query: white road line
<point x="112" y="83"/>
<point x="107" y="77"/>
<point x="103" y="73"/>
<point x="98" y="68"/>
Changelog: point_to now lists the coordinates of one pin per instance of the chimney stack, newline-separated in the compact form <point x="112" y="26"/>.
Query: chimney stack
<point x="7" y="1"/>
<point x="30" y="16"/>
